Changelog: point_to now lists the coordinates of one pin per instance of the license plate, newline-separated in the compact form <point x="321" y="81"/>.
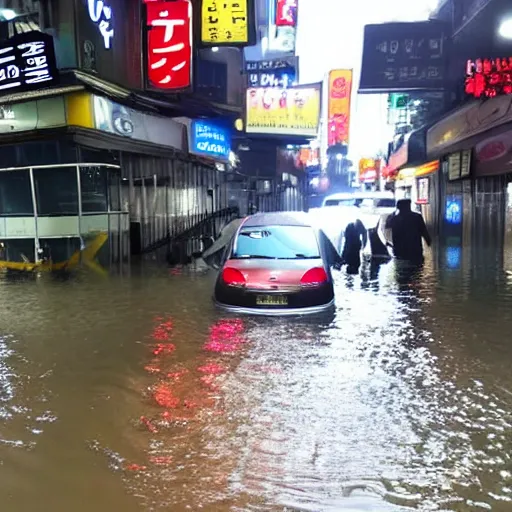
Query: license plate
<point x="271" y="300"/>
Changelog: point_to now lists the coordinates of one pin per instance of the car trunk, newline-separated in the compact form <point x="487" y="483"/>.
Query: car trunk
<point x="274" y="275"/>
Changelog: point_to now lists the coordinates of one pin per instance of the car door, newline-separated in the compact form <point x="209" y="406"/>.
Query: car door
<point x="329" y="253"/>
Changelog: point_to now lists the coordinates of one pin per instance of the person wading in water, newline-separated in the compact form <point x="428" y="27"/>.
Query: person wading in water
<point x="407" y="230"/>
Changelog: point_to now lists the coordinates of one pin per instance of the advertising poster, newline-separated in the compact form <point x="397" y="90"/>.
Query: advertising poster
<point x="226" y="23"/>
<point x="339" y="96"/>
<point x="293" y="111"/>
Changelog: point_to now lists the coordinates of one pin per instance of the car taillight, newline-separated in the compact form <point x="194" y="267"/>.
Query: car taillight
<point x="233" y="277"/>
<point x="314" y="277"/>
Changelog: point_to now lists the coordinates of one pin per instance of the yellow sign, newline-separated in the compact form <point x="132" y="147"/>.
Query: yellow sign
<point x="294" y="111"/>
<point x="225" y="22"/>
<point x="339" y="93"/>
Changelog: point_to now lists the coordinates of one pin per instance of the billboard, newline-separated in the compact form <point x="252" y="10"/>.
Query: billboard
<point x="404" y="57"/>
<point x="338" y="110"/>
<point x="293" y="111"/>
<point x="111" y="117"/>
<point x="227" y="23"/>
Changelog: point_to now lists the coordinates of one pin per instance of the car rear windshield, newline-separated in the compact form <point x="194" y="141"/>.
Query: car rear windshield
<point x="339" y="202"/>
<point x="276" y="242"/>
<point x="385" y="203"/>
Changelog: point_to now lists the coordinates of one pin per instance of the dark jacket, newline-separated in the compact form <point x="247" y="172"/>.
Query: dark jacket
<point x="408" y="228"/>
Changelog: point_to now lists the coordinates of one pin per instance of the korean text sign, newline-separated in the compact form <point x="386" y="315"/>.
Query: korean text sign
<point x="293" y="111"/>
<point x="225" y="22"/>
<point x="27" y="62"/>
<point x="403" y="57"/>
<point x="169" y="59"/>
<point x="210" y="140"/>
<point x="338" y="117"/>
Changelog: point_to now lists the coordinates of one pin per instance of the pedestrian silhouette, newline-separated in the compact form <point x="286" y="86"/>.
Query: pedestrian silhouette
<point x="407" y="229"/>
<point x="355" y="239"/>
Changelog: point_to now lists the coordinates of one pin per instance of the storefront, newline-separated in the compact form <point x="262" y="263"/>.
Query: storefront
<point x="475" y="145"/>
<point x="415" y="176"/>
<point x="80" y="165"/>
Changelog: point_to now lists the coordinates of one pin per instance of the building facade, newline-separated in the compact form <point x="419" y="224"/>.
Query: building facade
<point x="92" y="139"/>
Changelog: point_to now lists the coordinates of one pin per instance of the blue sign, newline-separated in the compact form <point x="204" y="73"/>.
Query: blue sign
<point x="210" y="140"/>
<point x="453" y="211"/>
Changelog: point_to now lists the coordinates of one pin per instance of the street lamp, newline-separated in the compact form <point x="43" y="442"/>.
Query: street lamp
<point x="505" y="30"/>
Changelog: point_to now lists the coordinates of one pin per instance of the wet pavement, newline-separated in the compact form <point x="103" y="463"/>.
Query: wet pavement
<point x="133" y="393"/>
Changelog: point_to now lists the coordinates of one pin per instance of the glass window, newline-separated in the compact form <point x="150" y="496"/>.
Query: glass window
<point x="59" y="249"/>
<point x="277" y="242"/>
<point x="93" y="181"/>
<point x="385" y="203"/>
<point x="114" y="189"/>
<point x="56" y="191"/>
<point x="21" y="250"/>
<point x="15" y="193"/>
<point x="340" y="202"/>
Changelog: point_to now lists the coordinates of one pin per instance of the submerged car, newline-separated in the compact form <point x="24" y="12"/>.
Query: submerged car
<point x="277" y="264"/>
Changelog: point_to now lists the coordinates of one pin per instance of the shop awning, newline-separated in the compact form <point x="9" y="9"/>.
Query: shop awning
<point x="174" y="105"/>
<point x="413" y="151"/>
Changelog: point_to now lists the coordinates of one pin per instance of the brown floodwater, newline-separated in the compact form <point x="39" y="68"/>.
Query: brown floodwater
<point x="133" y="393"/>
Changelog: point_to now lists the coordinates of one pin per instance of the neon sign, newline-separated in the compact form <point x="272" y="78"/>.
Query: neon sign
<point x="487" y="78"/>
<point x="27" y="62"/>
<point x="169" y="36"/>
<point x="100" y="14"/>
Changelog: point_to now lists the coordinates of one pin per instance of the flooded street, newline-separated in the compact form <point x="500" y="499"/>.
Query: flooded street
<point x="133" y="393"/>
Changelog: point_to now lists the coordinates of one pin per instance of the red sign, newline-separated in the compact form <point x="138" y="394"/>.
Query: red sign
<point x="337" y="129"/>
<point x="486" y="78"/>
<point x="169" y="29"/>
<point x="286" y="13"/>
<point x="494" y="148"/>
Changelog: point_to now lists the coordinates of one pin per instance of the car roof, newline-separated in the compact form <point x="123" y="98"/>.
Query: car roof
<point x="360" y="195"/>
<point x="277" y="219"/>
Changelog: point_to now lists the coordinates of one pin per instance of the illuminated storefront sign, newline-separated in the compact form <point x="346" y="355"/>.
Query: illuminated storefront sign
<point x="27" y="62"/>
<point x="169" y="33"/>
<point x="225" y="22"/>
<point x="369" y="170"/>
<point x="339" y="95"/>
<point x="272" y="73"/>
<point x="294" y="111"/>
<point x="286" y="13"/>
<point x="100" y="14"/>
<point x="486" y="78"/>
<point x="210" y="140"/>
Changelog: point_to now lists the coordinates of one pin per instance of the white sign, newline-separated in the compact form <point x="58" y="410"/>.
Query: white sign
<point x="100" y="14"/>
<point x="117" y="119"/>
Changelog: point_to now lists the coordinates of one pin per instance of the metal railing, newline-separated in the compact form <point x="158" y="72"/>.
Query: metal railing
<point x="208" y="227"/>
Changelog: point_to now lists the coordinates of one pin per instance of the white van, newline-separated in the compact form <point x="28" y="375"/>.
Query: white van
<point x="381" y="203"/>
<point x="371" y="208"/>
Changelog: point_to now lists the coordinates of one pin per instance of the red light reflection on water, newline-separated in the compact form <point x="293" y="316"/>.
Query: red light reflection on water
<point x="184" y="397"/>
<point x="225" y="336"/>
<point x="164" y="396"/>
<point x="212" y="368"/>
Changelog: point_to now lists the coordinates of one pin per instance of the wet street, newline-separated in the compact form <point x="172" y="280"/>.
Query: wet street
<point x="133" y="393"/>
